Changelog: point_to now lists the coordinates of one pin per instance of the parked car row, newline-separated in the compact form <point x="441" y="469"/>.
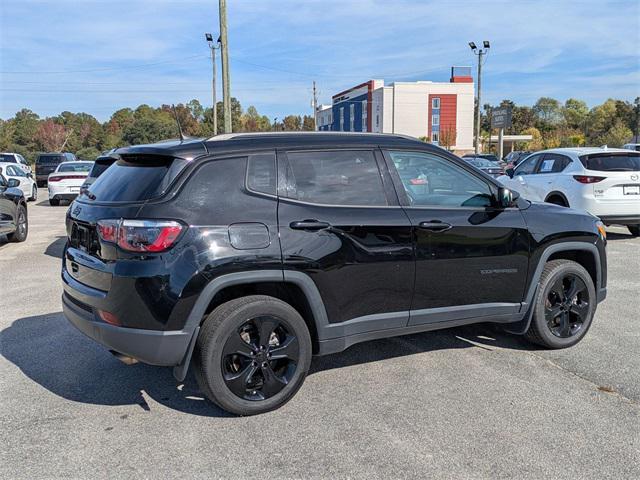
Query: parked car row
<point x="603" y="181"/>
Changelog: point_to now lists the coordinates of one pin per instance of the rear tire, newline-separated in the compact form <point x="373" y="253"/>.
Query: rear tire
<point x="565" y="304"/>
<point x="54" y="202"/>
<point x="252" y="354"/>
<point x="20" y="235"/>
<point x="634" y="230"/>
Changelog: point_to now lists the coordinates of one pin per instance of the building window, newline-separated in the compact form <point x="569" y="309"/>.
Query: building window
<point x="342" y="119"/>
<point x="364" y="115"/>
<point x="435" y="120"/>
<point x="352" y="117"/>
<point x="435" y="103"/>
<point x="435" y="137"/>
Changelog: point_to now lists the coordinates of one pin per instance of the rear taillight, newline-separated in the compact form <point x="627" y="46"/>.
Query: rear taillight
<point x="140" y="235"/>
<point x="588" y="178"/>
<point x="66" y="177"/>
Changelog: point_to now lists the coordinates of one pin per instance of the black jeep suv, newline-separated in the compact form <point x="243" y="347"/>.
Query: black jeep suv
<point x="249" y="253"/>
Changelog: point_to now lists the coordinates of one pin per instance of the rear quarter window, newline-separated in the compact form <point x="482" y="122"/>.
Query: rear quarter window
<point x="136" y="178"/>
<point x="612" y="162"/>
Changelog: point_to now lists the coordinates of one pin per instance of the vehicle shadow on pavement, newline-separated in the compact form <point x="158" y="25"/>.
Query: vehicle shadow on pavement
<point x="55" y="248"/>
<point x="52" y="353"/>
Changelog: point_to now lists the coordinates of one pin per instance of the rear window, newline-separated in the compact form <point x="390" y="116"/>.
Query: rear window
<point x="136" y="178"/>
<point x="50" y="159"/>
<point x="7" y="158"/>
<point x="625" y="162"/>
<point x="74" y="167"/>
<point x="100" y="166"/>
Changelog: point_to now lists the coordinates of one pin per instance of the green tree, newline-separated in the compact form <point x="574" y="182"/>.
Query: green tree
<point x="308" y="124"/>
<point x="616" y="136"/>
<point x="292" y="123"/>
<point x="575" y="113"/>
<point x="548" y="112"/>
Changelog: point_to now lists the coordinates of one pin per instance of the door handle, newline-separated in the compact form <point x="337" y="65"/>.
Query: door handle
<point x="435" y="226"/>
<point x="312" y="225"/>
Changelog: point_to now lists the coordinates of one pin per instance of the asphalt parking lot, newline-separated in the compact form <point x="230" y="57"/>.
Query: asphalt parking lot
<point x="461" y="403"/>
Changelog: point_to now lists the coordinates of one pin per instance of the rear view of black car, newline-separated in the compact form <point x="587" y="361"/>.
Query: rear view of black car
<point x="245" y="254"/>
<point x="47" y="163"/>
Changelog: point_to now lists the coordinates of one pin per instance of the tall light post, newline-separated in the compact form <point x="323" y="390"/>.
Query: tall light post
<point x="480" y="52"/>
<point x="213" y="48"/>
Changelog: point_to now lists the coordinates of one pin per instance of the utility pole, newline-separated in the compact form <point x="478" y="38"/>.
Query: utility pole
<point x="315" y="106"/>
<point x="480" y="52"/>
<point x="226" y="82"/>
<point x="213" y="48"/>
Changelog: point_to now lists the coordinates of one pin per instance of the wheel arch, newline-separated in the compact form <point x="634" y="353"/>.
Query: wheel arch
<point x="558" y="194"/>
<point x="295" y="288"/>
<point x="585" y="254"/>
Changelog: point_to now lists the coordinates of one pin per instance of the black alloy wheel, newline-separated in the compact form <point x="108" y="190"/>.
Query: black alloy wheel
<point x="567" y="306"/>
<point x="260" y="358"/>
<point x="564" y="305"/>
<point x="252" y="354"/>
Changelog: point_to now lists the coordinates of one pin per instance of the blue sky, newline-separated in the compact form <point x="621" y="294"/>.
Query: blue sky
<point x="97" y="56"/>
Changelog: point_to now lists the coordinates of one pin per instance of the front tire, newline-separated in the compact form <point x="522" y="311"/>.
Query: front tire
<point x="565" y="304"/>
<point x="22" y="230"/>
<point x="634" y="230"/>
<point x="252" y="354"/>
<point x="34" y="193"/>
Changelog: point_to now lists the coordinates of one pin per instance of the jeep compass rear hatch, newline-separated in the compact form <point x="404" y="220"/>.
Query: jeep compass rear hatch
<point x="118" y="194"/>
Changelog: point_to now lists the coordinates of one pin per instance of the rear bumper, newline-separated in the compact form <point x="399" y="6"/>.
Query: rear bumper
<point x="63" y="196"/>
<point x="620" y="219"/>
<point x="155" y="347"/>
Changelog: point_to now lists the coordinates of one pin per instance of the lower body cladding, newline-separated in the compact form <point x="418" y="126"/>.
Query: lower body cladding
<point x="621" y="219"/>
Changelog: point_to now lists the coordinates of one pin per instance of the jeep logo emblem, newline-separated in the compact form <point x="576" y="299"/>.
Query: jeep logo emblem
<point x="76" y="210"/>
<point x="634" y="177"/>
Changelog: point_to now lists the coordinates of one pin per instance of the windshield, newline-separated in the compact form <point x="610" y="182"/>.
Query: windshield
<point x="612" y="162"/>
<point x="484" y="163"/>
<point x="75" y="167"/>
<point x="50" y="159"/>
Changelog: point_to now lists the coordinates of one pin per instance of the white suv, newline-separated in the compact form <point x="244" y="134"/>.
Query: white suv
<point x="603" y="181"/>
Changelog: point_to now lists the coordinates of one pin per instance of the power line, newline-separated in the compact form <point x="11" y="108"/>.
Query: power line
<point x="105" y="69"/>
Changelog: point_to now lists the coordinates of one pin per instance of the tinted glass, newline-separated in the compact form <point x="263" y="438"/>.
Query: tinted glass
<point x="430" y="180"/>
<point x="136" y="180"/>
<point x="527" y="166"/>
<point x="50" y="159"/>
<point x="100" y="166"/>
<point x="75" y="167"/>
<point x="484" y="163"/>
<point x="553" y="163"/>
<point x="7" y="158"/>
<point x="335" y="178"/>
<point x="261" y="173"/>
<point x="626" y="162"/>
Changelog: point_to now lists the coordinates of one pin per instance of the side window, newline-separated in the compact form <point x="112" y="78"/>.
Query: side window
<point x="334" y="178"/>
<point x="3" y="182"/>
<point x="261" y="173"/>
<point x="430" y="180"/>
<point x="553" y="163"/>
<point x="527" y="166"/>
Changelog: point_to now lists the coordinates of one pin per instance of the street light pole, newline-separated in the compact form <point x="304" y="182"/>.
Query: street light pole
<point x="480" y="52"/>
<point x="213" y="48"/>
<point x="226" y="87"/>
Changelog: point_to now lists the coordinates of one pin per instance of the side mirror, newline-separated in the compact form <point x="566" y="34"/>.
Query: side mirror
<point x="506" y="197"/>
<point x="30" y="175"/>
<point x="509" y="171"/>
<point x="13" y="182"/>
